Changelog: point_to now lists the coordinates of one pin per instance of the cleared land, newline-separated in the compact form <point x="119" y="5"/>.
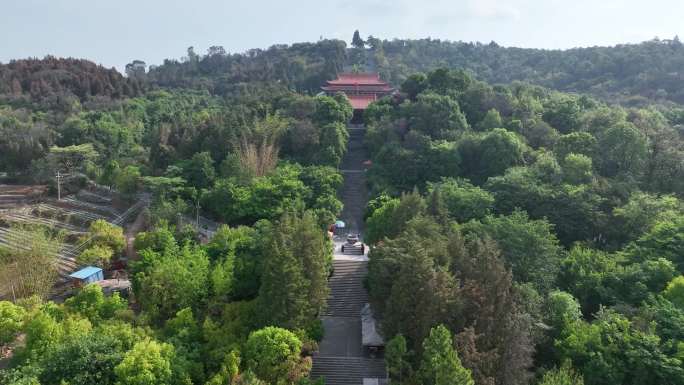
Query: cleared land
<point x="72" y="215"/>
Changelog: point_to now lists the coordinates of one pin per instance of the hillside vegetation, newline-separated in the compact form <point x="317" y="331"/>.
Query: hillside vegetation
<point x="631" y="74"/>
<point x="519" y="234"/>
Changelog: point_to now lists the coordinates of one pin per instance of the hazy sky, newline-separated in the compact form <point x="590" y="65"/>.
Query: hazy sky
<point x="115" y="32"/>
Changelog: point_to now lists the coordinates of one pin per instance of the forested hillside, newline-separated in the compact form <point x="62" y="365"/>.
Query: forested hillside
<point x="631" y="74"/>
<point x="518" y="234"/>
<point x="542" y="230"/>
<point x="626" y="73"/>
<point x="58" y="83"/>
<point x="241" y="307"/>
<point x="302" y="67"/>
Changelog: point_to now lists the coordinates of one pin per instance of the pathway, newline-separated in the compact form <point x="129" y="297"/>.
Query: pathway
<point x="341" y="358"/>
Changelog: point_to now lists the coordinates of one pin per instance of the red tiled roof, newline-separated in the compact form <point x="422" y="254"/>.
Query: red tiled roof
<point x="358" y="88"/>
<point x="361" y="102"/>
<point x="361" y="79"/>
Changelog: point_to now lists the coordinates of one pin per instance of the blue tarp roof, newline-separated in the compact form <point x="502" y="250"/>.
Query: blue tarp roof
<point x="85" y="272"/>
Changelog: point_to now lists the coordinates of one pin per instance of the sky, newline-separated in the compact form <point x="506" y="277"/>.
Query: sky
<point x="113" y="33"/>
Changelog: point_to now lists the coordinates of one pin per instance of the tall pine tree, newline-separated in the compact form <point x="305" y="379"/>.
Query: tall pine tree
<point x="440" y="364"/>
<point x="497" y="346"/>
<point x="293" y="285"/>
<point x="315" y="252"/>
<point x="357" y="41"/>
<point x="396" y="359"/>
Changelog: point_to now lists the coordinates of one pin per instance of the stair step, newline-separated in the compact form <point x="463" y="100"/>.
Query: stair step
<point x="348" y="294"/>
<point x="347" y="370"/>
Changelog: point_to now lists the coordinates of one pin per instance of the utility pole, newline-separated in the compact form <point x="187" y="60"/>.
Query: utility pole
<point x="59" y="186"/>
<point x="198" y="207"/>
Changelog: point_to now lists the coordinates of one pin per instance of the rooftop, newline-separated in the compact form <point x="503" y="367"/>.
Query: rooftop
<point x="370" y="335"/>
<point x="360" y="79"/>
<point x="85" y="272"/>
<point x="370" y="88"/>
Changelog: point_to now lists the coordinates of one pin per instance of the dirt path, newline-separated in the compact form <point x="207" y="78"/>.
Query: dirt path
<point x="140" y="224"/>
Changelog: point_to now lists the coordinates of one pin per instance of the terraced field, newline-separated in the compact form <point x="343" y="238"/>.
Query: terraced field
<point x="71" y="216"/>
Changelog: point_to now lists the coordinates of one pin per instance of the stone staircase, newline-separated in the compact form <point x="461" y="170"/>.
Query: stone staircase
<point x="355" y="249"/>
<point x="341" y="359"/>
<point x="354" y="193"/>
<point x="347" y="293"/>
<point x="347" y="370"/>
<point x="356" y="149"/>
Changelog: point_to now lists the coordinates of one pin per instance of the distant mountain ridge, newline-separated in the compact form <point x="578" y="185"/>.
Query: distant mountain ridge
<point x="62" y="80"/>
<point x="630" y="74"/>
<point x="634" y="74"/>
<point x="626" y="73"/>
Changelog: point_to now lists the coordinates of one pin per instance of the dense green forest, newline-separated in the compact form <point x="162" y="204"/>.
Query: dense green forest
<point x="544" y="230"/>
<point x="632" y="74"/>
<point x="261" y="159"/>
<point x="628" y="73"/>
<point x="519" y="234"/>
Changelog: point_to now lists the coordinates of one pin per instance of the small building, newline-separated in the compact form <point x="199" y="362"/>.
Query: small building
<point x="361" y="89"/>
<point x="87" y="275"/>
<point x="370" y="336"/>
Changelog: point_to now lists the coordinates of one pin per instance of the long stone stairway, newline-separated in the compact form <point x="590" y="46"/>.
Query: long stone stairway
<point x="354" y="194"/>
<point x="347" y="293"/>
<point x="341" y="359"/>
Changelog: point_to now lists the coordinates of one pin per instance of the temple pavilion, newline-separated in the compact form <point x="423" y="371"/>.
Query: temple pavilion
<point x="360" y="88"/>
